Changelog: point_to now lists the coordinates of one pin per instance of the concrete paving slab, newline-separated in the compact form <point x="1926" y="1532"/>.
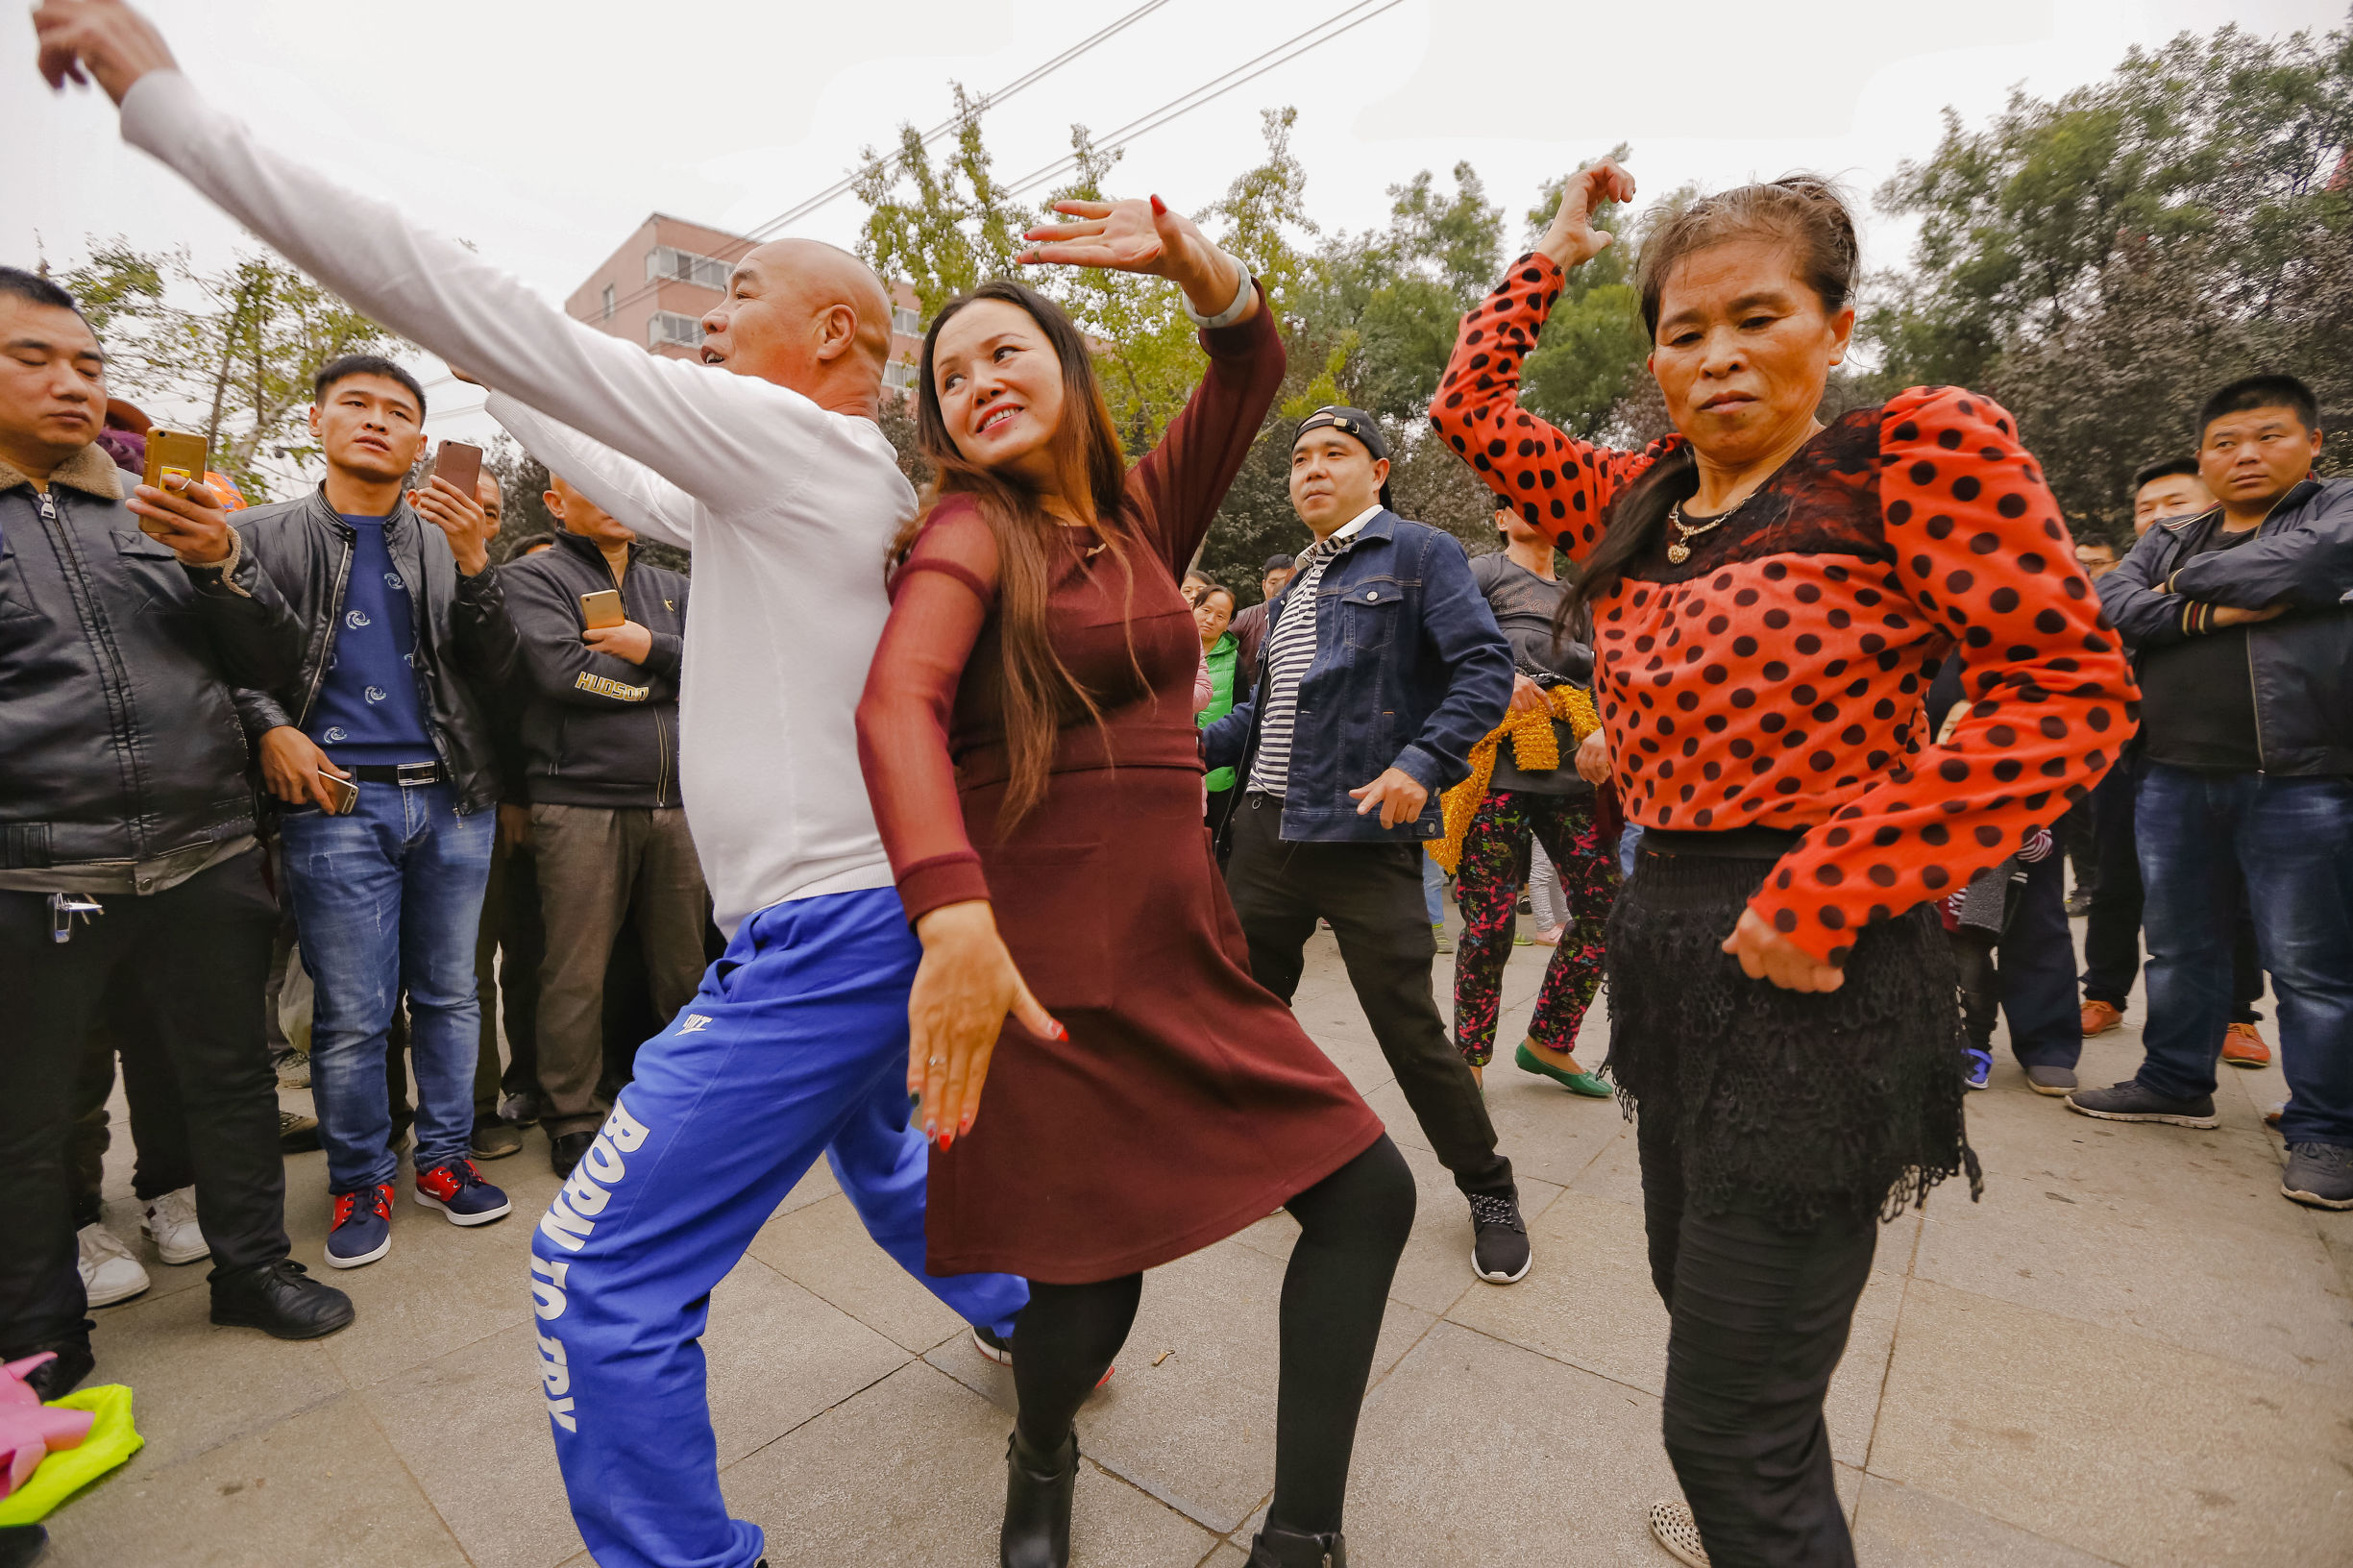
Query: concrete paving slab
<point x="2092" y="1437"/>
<point x="912" y="1474"/>
<point x="322" y="1487"/>
<point x="823" y="1248"/>
<point x="441" y="1286"/>
<point x="1918" y="1529"/>
<point x="195" y="1386"/>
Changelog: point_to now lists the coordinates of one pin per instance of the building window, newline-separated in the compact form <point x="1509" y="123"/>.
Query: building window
<point x="669" y="327"/>
<point x="899" y="373"/>
<point x="608" y="301"/>
<point x="905" y="322"/>
<point x="686" y="267"/>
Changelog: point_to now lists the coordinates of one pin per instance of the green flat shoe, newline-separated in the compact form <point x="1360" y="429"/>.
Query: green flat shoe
<point x="1576" y="1083"/>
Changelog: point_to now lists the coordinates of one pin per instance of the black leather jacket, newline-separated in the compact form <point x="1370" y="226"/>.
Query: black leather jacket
<point x="2300" y="665"/>
<point x="464" y="640"/>
<point x="119" y="744"/>
<point x="597" y="730"/>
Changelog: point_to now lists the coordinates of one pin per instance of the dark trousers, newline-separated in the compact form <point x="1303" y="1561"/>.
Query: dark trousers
<point x="510" y="926"/>
<point x="1757" y="1320"/>
<point x="2037" y="962"/>
<point x="1372" y="895"/>
<point x="158" y="1119"/>
<point x="2111" y="932"/>
<point x="2291" y="840"/>
<point x="197" y="955"/>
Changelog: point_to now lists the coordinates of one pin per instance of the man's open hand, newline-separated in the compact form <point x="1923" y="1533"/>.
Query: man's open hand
<point x="103" y="39"/>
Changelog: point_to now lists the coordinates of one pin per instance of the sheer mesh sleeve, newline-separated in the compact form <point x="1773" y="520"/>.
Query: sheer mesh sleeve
<point x="940" y="599"/>
<point x="1179" y="485"/>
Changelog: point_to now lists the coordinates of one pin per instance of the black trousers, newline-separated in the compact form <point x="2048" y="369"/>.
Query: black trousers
<point x="2111" y="932"/>
<point x="1757" y="1320"/>
<point x="158" y="1119"/>
<point x="2037" y="981"/>
<point x="198" y="956"/>
<point x="1372" y="895"/>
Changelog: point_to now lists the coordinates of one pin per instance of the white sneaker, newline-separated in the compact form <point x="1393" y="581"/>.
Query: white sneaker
<point x="171" y="1221"/>
<point x="109" y="1272"/>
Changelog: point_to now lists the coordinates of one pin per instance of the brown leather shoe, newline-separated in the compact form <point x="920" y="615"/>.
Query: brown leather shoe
<point x="2242" y="1045"/>
<point x="2098" y="1017"/>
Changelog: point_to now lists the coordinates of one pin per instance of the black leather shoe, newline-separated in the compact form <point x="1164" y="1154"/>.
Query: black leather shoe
<point x="55" y="1380"/>
<point x="1279" y="1548"/>
<point x="280" y="1300"/>
<point x="1038" y="1492"/>
<point x="21" y="1544"/>
<point x="564" y="1151"/>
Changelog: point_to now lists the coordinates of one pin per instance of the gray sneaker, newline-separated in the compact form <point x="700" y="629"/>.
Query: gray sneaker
<point x="2050" y="1080"/>
<point x="2130" y="1101"/>
<point x="1437" y="934"/>
<point x="2319" y="1175"/>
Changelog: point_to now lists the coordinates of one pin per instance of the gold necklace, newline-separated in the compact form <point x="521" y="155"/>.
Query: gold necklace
<point x="1680" y="550"/>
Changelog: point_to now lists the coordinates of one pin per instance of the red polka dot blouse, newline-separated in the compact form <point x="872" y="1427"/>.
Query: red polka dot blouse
<point x="1775" y="677"/>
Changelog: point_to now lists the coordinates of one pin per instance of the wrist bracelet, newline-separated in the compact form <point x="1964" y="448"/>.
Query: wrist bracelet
<point x="1232" y="312"/>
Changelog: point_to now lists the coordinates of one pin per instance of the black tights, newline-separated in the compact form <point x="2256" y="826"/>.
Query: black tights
<point x="1351" y="1226"/>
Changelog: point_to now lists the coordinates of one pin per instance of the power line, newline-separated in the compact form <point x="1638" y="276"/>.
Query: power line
<point x="1216" y="88"/>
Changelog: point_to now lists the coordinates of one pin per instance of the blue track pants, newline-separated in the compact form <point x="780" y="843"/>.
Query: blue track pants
<point x="796" y="1044"/>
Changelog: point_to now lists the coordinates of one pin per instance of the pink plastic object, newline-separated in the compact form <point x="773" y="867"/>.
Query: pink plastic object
<point x="29" y="1430"/>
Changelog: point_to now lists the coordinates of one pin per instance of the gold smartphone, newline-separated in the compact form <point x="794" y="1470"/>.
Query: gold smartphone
<point x="460" y="464"/>
<point x="602" y="609"/>
<point x="346" y="793"/>
<point x="172" y="451"/>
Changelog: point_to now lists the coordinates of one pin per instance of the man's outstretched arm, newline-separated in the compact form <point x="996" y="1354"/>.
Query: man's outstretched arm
<point x="724" y="437"/>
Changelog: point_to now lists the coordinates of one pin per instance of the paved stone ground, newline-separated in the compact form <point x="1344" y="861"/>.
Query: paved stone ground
<point x="2133" y="1351"/>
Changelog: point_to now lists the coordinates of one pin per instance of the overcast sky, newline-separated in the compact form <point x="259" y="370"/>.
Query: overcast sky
<point x="544" y="133"/>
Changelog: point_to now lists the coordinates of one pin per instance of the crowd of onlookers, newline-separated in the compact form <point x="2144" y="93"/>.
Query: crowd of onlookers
<point x="326" y="779"/>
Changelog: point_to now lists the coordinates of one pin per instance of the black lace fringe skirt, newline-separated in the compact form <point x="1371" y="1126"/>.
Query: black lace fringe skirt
<point x="1844" y="1102"/>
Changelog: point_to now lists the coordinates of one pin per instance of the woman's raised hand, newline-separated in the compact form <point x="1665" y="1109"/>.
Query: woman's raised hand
<point x="1572" y="240"/>
<point x="1137" y="235"/>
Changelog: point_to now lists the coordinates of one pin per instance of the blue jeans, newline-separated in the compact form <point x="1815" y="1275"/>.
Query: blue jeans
<point x="389" y="897"/>
<point x="2292" y="838"/>
<point x="1433" y="889"/>
<point x="796" y="1045"/>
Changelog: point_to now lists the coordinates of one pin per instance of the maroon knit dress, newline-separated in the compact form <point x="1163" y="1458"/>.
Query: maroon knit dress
<point x="1188" y="1103"/>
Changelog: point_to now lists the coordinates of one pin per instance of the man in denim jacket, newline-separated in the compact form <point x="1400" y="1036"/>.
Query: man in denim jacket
<point x="1382" y="667"/>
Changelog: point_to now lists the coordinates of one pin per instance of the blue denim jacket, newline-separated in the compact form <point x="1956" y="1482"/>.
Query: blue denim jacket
<point x="1410" y="671"/>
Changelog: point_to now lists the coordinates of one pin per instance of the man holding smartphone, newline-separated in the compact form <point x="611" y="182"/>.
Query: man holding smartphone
<point x="382" y="753"/>
<point x="127" y="858"/>
<point x="603" y="633"/>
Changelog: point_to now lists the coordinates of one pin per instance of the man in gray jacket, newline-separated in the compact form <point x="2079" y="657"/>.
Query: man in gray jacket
<point x="127" y="848"/>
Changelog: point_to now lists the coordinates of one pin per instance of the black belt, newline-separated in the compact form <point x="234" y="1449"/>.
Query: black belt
<point x="403" y="773"/>
<point x="1751" y="843"/>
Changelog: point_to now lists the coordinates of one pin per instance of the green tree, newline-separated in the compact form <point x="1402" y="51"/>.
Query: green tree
<point x="229" y="353"/>
<point x="944" y="228"/>
<point x="2101" y="261"/>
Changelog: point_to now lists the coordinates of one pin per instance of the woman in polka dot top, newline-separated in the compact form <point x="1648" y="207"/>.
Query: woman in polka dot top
<point x="1769" y="594"/>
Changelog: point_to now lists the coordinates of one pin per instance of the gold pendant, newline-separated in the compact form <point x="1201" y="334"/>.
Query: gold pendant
<point x="1678" y="552"/>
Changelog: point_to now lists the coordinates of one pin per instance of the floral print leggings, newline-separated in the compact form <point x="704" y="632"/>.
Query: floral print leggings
<point x="1488" y="889"/>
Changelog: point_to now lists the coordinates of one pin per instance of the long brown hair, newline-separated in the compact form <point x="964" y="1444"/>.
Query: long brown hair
<point x="1090" y="476"/>
<point x="1801" y="211"/>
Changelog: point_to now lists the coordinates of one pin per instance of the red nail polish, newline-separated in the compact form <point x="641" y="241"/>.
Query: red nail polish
<point x="948" y="1142"/>
<point x="1159" y="207"/>
<point x="1060" y="1033"/>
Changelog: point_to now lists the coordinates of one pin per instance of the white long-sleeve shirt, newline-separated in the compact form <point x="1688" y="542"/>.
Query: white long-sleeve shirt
<point x="789" y="507"/>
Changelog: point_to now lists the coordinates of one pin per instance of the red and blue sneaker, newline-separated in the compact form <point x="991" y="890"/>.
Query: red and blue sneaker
<point x="362" y="1229"/>
<point x="457" y="1190"/>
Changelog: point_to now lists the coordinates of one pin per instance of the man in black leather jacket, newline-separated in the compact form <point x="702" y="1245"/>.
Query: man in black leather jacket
<point x="405" y="623"/>
<point x="127" y="849"/>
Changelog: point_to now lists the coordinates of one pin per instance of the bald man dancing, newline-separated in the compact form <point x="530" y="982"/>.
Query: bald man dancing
<point x="780" y="479"/>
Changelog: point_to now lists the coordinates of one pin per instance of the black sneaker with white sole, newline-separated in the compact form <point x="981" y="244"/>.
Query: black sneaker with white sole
<point x="1499" y="1239"/>
<point x="2133" y="1101"/>
<point x="2319" y="1175"/>
<point x="993" y="1345"/>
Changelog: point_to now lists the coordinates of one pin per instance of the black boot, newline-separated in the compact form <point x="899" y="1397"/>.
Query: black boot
<point x="55" y="1380"/>
<point x="1279" y="1548"/>
<point x="279" y="1299"/>
<point x="21" y="1544"/>
<point x="1038" y="1492"/>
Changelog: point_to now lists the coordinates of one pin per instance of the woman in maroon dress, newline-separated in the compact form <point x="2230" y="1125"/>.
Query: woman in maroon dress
<point x="1027" y="738"/>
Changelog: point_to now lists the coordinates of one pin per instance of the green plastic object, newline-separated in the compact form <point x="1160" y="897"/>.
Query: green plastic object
<point x="112" y="1439"/>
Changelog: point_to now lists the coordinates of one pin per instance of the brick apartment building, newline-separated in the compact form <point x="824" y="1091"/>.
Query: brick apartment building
<point x="654" y="288"/>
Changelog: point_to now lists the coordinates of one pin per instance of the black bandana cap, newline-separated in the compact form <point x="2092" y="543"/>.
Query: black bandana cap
<point x="1350" y="421"/>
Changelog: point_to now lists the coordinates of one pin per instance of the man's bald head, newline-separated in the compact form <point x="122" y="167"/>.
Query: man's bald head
<point x="809" y="316"/>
